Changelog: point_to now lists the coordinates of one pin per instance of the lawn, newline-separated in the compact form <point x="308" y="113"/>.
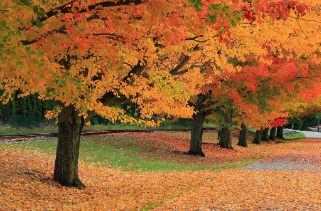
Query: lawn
<point x="150" y="171"/>
<point x="52" y="128"/>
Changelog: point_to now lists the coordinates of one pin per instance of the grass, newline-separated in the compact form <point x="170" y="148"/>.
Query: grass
<point x="294" y="136"/>
<point x="118" y="153"/>
<point x="145" y="152"/>
<point x="134" y="154"/>
<point x="7" y="129"/>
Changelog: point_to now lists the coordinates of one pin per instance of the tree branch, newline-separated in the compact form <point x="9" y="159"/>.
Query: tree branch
<point x="64" y="9"/>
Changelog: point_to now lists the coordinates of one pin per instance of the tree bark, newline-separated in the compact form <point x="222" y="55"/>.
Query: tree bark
<point x="243" y="136"/>
<point x="258" y="136"/>
<point x="279" y="132"/>
<point x="265" y="134"/>
<point x="196" y="134"/>
<point x="70" y="125"/>
<point x="272" y="133"/>
<point x="225" y="139"/>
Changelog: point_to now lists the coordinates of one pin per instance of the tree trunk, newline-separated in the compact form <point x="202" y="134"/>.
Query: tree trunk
<point x="66" y="164"/>
<point x="196" y="134"/>
<point x="225" y="139"/>
<point x="279" y="132"/>
<point x="258" y="136"/>
<point x="265" y="134"/>
<point x="243" y="136"/>
<point x="272" y="133"/>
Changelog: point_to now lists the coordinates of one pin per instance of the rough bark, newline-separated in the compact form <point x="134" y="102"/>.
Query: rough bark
<point x="265" y="134"/>
<point x="279" y="132"/>
<point x="243" y="136"/>
<point x="258" y="136"/>
<point x="225" y="139"/>
<point x="272" y="133"/>
<point x="66" y="164"/>
<point x="197" y="134"/>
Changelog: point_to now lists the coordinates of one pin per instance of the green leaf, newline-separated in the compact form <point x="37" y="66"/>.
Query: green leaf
<point x="21" y="22"/>
<point x="2" y="23"/>
<point x="41" y="54"/>
<point x="233" y="23"/>
<point x="26" y="2"/>
<point x="39" y="24"/>
<point x="42" y="12"/>
<point x="35" y="9"/>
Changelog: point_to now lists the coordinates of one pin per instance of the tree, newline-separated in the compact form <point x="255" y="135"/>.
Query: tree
<point x="265" y="134"/>
<point x="258" y="136"/>
<point x="276" y="73"/>
<point x="272" y="133"/>
<point x="243" y="136"/>
<point x="90" y="56"/>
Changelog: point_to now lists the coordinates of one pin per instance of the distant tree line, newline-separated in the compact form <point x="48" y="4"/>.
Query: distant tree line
<point x="302" y="123"/>
<point x="27" y="106"/>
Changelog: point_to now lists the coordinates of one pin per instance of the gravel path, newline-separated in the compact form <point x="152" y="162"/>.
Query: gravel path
<point x="308" y="134"/>
<point x="8" y="141"/>
<point x="288" y="166"/>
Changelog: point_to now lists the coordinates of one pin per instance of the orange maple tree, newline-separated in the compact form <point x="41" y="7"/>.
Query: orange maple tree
<point x="257" y="67"/>
<point x="91" y="55"/>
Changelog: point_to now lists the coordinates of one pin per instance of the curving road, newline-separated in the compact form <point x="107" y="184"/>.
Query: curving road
<point x="308" y="134"/>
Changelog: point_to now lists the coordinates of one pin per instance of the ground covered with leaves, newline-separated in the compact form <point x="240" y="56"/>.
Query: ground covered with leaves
<point x="150" y="171"/>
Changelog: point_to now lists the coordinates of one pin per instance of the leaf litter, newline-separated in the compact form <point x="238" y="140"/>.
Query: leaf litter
<point x="26" y="181"/>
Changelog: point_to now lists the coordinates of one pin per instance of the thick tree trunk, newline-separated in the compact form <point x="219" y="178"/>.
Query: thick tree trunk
<point x="196" y="134"/>
<point x="225" y="139"/>
<point x="265" y="134"/>
<point x="279" y="132"/>
<point x="243" y="136"/>
<point x="258" y="136"/>
<point x="272" y="133"/>
<point x="66" y="164"/>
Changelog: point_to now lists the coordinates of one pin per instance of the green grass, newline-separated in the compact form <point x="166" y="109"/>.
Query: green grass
<point x="124" y="153"/>
<point x="294" y="136"/>
<point x="118" y="153"/>
<point x="6" y="129"/>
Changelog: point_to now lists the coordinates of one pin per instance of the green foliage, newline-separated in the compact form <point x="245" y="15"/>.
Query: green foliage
<point x="302" y="123"/>
<point x="29" y="106"/>
<point x="296" y="123"/>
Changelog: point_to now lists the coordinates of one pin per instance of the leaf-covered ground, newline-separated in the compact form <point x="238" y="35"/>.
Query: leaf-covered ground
<point x="26" y="178"/>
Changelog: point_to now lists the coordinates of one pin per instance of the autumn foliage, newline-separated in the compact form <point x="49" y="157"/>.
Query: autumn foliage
<point x="240" y="56"/>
